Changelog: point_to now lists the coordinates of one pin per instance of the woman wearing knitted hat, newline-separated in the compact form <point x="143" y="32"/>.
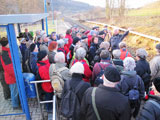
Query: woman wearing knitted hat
<point x="53" y="46"/>
<point x="43" y="70"/>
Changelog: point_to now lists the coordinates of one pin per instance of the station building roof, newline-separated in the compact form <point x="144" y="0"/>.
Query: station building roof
<point x="21" y="18"/>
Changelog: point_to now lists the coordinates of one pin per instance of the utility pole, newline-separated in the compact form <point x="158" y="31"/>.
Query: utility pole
<point x="45" y="11"/>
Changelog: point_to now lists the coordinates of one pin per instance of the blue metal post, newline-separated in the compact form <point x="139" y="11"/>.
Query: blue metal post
<point x="42" y="24"/>
<point x="17" y="69"/>
<point x="45" y="10"/>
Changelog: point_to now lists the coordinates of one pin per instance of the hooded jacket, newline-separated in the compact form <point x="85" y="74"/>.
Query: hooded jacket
<point x="124" y="54"/>
<point x="33" y="62"/>
<point x="128" y="80"/>
<point x="43" y="69"/>
<point x="70" y="40"/>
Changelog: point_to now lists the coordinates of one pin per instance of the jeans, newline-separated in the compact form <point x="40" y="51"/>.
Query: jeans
<point x="49" y="106"/>
<point x="14" y="95"/>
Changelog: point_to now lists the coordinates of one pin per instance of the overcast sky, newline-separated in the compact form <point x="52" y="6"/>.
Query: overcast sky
<point x="130" y="3"/>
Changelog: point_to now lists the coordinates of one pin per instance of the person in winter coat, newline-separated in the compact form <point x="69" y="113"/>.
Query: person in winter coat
<point x="39" y="42"/>
<point x="33" y="58"/>
<point x="43" y="70"/>
<point x="104" y="63"/>
<point x="150" y="110"/>
<point x="103" y="46"/>
<point x="77" y="71"/>
<point x="44" y="45"/>
<point x="9" y="74"/>
<point x="27" y="35"/>
<point x="92" y="33"/>
<point x="60" y="66"/>
<point x="117" y="61"/>
<point x="61" y="47"/>
<point x="93" y="49"/>
<point x="124" y="51"/>
<point x="76" y="41"/>
<point x="110" y="103"/>
<point x="155" y="64"/>
<point x="142" y="67"/>
<point x="6" y="90"/>
<point x="69" y="36"/>
<point x="80" y="55"/>
<point x="101" y="37"/>
<point x="53" y="36"/>
<point x="116" y="39"/>
<point x="129" y="78"/>
<point x="53" y="46"/>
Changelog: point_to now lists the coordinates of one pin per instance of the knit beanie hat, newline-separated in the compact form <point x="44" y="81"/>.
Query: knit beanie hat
<point x="112" y="74"/>
<point x="4" y="41"/>
<point x="77" y="68"/>
<point x="76" y="40"/>
<point x="41" y="54"/>
<point x="32" y="47"/>
<point x="156" y="83"/>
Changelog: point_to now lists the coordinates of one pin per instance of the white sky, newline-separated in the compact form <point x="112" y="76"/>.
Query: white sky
<point x="130" y="3"/>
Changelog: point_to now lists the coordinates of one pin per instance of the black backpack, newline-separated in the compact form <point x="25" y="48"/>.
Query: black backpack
<point x="133" y="95"/>
<point x="70" y="104"/>
<point x="99" y="79"/>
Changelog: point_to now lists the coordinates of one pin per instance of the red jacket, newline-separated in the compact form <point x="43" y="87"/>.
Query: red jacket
<point x="89" y="40"/>
<point x="70" y="40"/>
<point x="124" y="54"/>
<point x="87" y="70"/>
<point x="43" y="69"/>
<point x="8" y="66"/>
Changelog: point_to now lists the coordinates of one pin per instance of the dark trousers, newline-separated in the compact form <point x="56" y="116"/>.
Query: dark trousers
<point x="49" y="106"/>
<point x="6" y="89"/>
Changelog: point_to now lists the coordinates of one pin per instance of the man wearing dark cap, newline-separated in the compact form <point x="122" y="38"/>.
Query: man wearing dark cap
<point x="155" y="64"/>
<point x="101" y="37"/>
<point x="9" y="75"/>
<point x="76" y="41"/>
<point x="109" y="102"/>
<point x="151" y="109"/>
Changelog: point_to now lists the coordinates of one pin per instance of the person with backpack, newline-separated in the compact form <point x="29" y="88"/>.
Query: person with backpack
<point x="59" y="73"/>
<point x="43" y="71"/>
<point x="155" y="64"/>
<point x="105" y="102"/>
<point x="116" y="39"/>
<point x="99" y="67"/>
<point x="73" y="92"/>
<point x="131" y="84"/>
<point x="117" y="61"/>
<point x="151" y="109"/>
<point x="142" y="68"/>
<point x="124" y="52"/>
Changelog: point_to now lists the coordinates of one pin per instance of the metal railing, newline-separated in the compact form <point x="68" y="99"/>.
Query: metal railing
<point x="54" y="101"/>
<point x="133" y="32"/>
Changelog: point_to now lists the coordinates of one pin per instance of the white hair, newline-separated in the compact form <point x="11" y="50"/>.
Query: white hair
<point x="129" y="64"/>
<point x="80" y="53"/>
<point x="141" y="53"/>
<point x="105" y="45"/>
<point x="61" y="43"/>
<point x="116" y="53"/>
<point x="44" y="36"/>
<point x="59" y="57"/>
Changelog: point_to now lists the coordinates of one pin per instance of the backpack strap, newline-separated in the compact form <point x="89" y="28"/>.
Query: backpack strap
<point x="154" y="103"/>
<point x="94" y="103"/>
<point x="126" y="54"/>
<point x="100" y="66"/>
<point x="61" y="69"/>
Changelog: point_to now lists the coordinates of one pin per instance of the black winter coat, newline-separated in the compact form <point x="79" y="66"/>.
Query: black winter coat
<point x="75" y="80"/>
<point x="150" y="111"/>
<point x="111" y="104"/>
<point x="92" y="52"/>
<point x="116" y="39"/>
<point x="100" y="40"/>
<point x="97" y="56"/>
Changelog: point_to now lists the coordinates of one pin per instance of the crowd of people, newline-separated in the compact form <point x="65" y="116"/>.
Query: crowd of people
<point x="94" y="75"/>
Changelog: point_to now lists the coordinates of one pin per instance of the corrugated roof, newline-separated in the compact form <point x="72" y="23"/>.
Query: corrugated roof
<point x="21" y="18"/>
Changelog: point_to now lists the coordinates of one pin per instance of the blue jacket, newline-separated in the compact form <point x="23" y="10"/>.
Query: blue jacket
<point x="33" y="62"/>
<point x="116" y="39"/>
